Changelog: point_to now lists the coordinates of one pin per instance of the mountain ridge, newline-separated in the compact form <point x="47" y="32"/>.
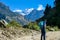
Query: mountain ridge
<point x="34" y="15"/>
<point x="9" y="15"/>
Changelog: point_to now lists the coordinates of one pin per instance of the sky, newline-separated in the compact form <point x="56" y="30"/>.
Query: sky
<point x="25" y="4"/>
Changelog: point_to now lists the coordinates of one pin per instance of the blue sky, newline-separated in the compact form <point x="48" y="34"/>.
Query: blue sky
<point x="24" y="4"/>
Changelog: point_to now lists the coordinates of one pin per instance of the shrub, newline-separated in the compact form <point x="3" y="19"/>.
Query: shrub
<point x="49" y="28"/>
<point x="56" y="28"/>
<point x="32" y="26"/>
<point x="36" y="27"/>
<point x="13" y="24"/>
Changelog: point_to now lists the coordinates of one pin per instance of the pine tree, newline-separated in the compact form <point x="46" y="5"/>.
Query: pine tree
<point x="47" y="12"/>
<point x="57" y="13"/>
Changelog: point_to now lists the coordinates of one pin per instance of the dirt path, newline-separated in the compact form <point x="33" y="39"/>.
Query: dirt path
<point x="32" y="35"/>
<point x="53" y="35"/>
<point x="49" y="36"/>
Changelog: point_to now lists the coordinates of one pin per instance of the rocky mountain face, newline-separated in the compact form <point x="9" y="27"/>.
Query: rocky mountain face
<point x="8" y="15"/>
<point x="35" y="14"/>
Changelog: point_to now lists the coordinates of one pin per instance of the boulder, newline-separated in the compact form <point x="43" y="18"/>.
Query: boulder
<point x="3" y="23"/>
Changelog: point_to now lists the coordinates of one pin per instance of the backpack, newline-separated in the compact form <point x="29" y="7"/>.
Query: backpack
<point x="41" y="24"/>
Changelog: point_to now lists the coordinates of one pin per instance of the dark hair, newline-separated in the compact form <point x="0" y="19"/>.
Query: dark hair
<point x="41" y="19"/>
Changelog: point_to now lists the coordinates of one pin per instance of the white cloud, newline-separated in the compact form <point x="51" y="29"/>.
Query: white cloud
<point x="17" y="10"/>
<point x="27" y="11"/>
<point x="40" y="7"/>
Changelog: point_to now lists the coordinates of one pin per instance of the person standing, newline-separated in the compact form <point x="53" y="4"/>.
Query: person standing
<point x="42" y="25"/>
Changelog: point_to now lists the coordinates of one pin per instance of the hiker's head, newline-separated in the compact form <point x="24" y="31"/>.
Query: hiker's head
<point x="41" y="19"/>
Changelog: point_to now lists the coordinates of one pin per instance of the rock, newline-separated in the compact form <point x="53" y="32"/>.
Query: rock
<point x="3" y="23"/>
<point x="51" y="29"/>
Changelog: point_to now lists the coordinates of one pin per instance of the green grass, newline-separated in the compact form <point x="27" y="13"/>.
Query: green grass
<point x="54" y="28"/>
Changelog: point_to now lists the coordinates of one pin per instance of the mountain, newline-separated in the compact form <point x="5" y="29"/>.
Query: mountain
<point x="28" y="11"/>
<point x="22" y="17"/>
<point x="24" y="12"/>
<point x="35" y="14"/>
<point x="31" y="14"/>
<point x="8" y="15"/>
<point x="2" y="16"/>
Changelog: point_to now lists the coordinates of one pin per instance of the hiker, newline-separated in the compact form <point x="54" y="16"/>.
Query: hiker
<point x="42" y="25"/>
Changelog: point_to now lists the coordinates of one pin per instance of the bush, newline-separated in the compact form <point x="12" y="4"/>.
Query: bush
<point x="36" y="27"/>
<point x="13" y="24"/>
<point x="54" y="28"/>
<point x="32" y="26"/>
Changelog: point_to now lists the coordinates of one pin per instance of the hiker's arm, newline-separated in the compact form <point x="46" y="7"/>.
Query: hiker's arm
<point x="45" y="24"/>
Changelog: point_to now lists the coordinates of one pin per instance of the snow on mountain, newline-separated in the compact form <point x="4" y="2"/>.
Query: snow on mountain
<point x="40" y="7"/>
<point x="32" y="14"/>
<point x="27" y="11"/>
<point x="35" y="14"/>
<point x="24" y="12"/>
<point x="19" y="11"/>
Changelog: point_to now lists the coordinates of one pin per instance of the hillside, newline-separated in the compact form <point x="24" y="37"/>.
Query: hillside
<point x="26" y="34"/>
<point x="34" y="15"/>
<point x="8" y="15"/>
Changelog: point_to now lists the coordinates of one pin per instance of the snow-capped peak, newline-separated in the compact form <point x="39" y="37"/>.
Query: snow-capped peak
<point x="40" y="7"/>
<point x="20" y="12"/>
<point x="27" y="11"/>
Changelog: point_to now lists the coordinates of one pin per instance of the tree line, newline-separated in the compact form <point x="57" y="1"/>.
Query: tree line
<point x="52" y="15"/>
